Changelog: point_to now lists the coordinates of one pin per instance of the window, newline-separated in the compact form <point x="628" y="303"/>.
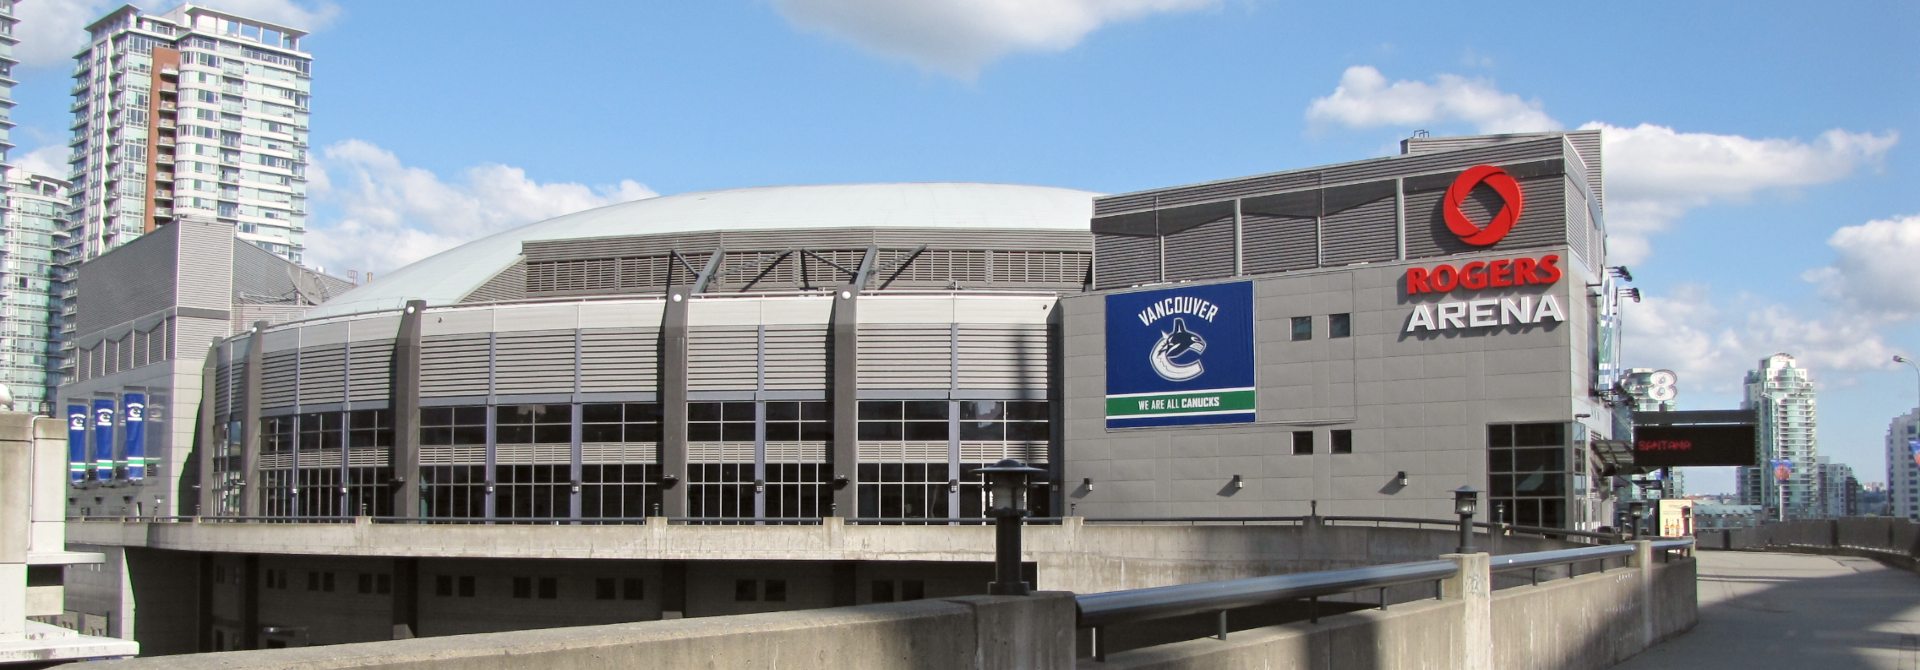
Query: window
<point x="466" y="587"/>
<point x="1302" y="328"/>
<point x="445" y="586"/>
<point x="776" y="591"/>
<point x="1343" y="441"/>
<point x="453" y="490"/>
<point x="1340" y="325"/>
<point x="549" y="588"/>
<point x="1528" y="473"/>
<point x="618" y="466"/>
<point x="633" y="588"/>
<point x="745" y="590"/>
<point x="882" y="591"/>
<point x="1302" y="442"/>
<point x="523" y="587"/>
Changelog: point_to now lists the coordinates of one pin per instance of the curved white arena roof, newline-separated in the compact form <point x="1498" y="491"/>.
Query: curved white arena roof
<point x="448" y="276"/>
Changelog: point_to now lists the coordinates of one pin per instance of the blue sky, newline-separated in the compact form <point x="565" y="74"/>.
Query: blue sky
<point x="1760" y="156"/>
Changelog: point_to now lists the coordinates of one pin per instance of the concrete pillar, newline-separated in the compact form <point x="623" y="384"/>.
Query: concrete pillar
<point x="1642" y="564"/>
<point x="1030" y="631"/>
<point x="844" y="388"/>
<point x="250" y="424"/>
<point x="16" y="489"/>
<point x="403" y="401"/>
<point x="209" y="400"/>
<point x="1473" y="586"/>
<point x="673" y="403"/>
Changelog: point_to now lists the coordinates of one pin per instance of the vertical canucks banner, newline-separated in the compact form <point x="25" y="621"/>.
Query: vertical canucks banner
<point x="1913" y="450"/>
<point x="103" y="439"/>
<point x="133" y="407"/>
<point x="1180" y="356"/>
<point x="77" y="443"/>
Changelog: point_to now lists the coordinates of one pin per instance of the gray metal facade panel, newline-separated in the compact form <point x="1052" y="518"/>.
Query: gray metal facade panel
<point x="1579" y="224"/>
<point x="723" y="358"/>
<point x="905" y="356"/>
<point x="1587" y="147"/>
<point x="192" y="334"/>
<point x="619" y="360"/>
<point x="370" y="370"/>
<point x="509" y="284"/>
<point x="796" y="357"/>
<point x="1278" y="244"/>
<point x="534" y="362"/>
<point x="277" y="379"/>
<point x="322" y="374"/>
<point x="205" y="271"/>
<point x="1367" y="233"/>
<point x="1003" y="356"/>
<point x="130" y="282"/>
<point x="1200" y="252"/>
<point x="1125" y="260"/>
<point x="453" y="365"/>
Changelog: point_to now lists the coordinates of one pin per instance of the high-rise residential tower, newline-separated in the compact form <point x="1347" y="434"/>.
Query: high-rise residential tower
<point x="1783" y="397"/>
<point x="29" y="231"/>
<point x="195" y="112"/>
<point x="7" y="40"/>
<point x="1903" y="467"/>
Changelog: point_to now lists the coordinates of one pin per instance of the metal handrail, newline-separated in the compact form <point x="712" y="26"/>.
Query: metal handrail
<point x="1104" y="609"/>
<point x="1539" y="559"/>
<point x="1196" y="519"/>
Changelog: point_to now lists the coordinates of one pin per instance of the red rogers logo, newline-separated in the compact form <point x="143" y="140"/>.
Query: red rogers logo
<point x="1503" y="220"/>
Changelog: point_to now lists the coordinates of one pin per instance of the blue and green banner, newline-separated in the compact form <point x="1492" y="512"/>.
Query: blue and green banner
<point x="133" y="407"/>
<point x="77" y="443"/>
<point x="103" y="439"/>
<point x="1180" y="356"/>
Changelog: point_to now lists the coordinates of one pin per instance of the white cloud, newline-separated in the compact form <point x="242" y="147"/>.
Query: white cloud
<point x="1712" y="341"/>
<point x="1365" y="99"/>
<point x="1655" y="174"/>
<point x="52" y="31"/>
<point x="959" y="37"/>
<point x="1875" y="269"/>
<point x="49" y="160"/>
<point x="388" y="214"/>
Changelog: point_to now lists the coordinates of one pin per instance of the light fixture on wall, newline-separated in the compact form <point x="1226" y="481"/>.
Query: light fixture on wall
<point x="1087" y="483"/>
<point x="1239" y="483"/>
<point x="953" y="486"/>
<point x="759" y="486"/>
<point x="1400" y="478"/>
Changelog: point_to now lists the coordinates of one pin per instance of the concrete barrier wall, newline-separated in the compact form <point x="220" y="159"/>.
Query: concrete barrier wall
<point x="957" y="633"/>
<point x="1425" y="634"/>
<point x="1893" y="540"/>
<point x="1593" y="621"/>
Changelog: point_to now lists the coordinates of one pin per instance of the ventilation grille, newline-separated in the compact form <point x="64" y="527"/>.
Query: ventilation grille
<point x="901" y="356"/>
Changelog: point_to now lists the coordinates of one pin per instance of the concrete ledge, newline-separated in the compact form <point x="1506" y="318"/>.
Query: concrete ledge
<point x="1425" y="634"/>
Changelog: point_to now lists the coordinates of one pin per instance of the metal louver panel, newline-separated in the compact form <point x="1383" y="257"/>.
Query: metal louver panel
<point x="453" y="365"/>
<point x="723" y="358"/>
<point x="275" y="461"/>
<point x="1540" y="219"/>
<point x="619" y="359"/>
<point x="1003" y="356"/>
<point x="1278" y="244"/>
<point x="796" y="357"/>
<point x="370" y="370"/>
<point x="533" y="362"/>
<point x="322" y="374"/>
<point x="222" y="397"/>
<point x="1125" y="260"/>
<point x="320" y="458"/>
<point x="905" y="356"/>
<point x="993" y="452"/>
<point x="1578" y="224"/>
<point x="445" y="455"/>
<point x="366" y="457"/>
<point x="277" y="379"/>
<point x="531" y="454"/>
<point x="1367" y="233"/>
<point x="1201" y="252"/>
<point x="909" y="452"/>
<point x="719" y="452"/>
<point x="618" y="452"/>
<point x="796" y="452"/>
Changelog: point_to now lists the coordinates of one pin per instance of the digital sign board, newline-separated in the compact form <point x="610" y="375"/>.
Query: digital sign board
<point x="1678" y="446"/>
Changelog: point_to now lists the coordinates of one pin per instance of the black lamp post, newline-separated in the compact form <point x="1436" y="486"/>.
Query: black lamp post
<point x="1465" y="499"/>
<point x="1635" y="511"/>
<point x="1007" y="504"/>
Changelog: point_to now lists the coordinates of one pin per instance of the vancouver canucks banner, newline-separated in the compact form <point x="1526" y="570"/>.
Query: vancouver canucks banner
<point x="77" y="443"/>
<point x="134" y="408"/>
<point x="1913" y="449"/>
<point x="103" y="439"/>
<point x="1180" y="356"/>
<point x="1782" y="470"/>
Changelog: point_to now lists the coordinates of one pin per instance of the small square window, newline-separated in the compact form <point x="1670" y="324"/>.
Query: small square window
<point x="1340" y="325"/>
<point x="443" y="586"/>
<point x="745" y="590"/>
<point x="466" y="587"/>
<point x="632" y="588"/>
<point x="383" y="584"/>
<point x="1343" y="441"/>
<point x="523" y="587"/>
<point x="1302" y="442"/>
<point x="549" y="588"/>
<point x="882" y="591"/>
<point x="603" y="589"/>
<point x="776" y="591"/>
<point x="313" y="581"/>
<point x="366" y="583"/>
<point x="326" y="582"/>
<point x="1302" y="328"/>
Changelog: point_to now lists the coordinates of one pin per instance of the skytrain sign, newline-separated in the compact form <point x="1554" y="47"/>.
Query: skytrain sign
<point x="1484" y="312"/>
<point x="1181" y="356"/>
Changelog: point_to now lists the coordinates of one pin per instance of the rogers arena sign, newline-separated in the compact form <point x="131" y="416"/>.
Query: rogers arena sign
<point x="1480" y="275"/>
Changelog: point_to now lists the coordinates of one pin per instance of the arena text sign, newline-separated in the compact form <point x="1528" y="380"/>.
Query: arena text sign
<point x="1484" y="312"/>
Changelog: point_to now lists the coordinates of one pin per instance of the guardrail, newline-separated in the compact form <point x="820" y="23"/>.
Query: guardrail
<point x="1099" y="610"/>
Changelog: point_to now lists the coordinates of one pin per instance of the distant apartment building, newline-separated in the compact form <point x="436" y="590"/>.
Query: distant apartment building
<point x="7" y="40"/>
<point x="1783" y="396"/>
<point x="29" y="232"/>
<point x="1839" y="490"/>
<point x="1903" y="468"/>
<point x="190" y="112"/>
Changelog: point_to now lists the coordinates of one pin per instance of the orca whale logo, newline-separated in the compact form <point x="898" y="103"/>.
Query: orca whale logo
<point x="1176" y="357"/>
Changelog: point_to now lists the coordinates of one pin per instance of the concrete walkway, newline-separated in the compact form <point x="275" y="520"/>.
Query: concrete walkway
<point x="1761" y="610"/>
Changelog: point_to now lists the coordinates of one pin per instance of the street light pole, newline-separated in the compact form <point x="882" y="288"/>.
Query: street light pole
<point x="1007" y="488"/>
<point x="1897" y="358"/>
